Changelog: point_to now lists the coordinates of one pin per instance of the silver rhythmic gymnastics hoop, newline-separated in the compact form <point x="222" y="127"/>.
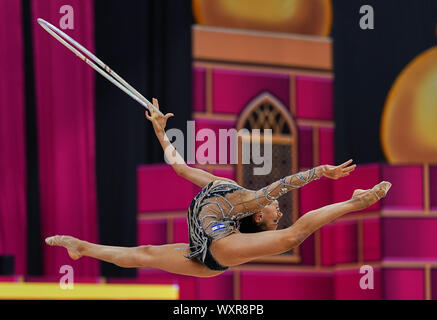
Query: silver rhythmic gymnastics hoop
<point x="105" y="71"/>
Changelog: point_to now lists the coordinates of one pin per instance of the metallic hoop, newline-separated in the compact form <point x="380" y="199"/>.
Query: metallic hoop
<point x="104" y="70"/>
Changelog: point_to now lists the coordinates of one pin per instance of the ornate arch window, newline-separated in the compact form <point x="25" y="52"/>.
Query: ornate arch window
<point x="267" y="112"/>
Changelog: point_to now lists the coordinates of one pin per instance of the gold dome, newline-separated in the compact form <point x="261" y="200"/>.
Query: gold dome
<point x="409" y="119"/>
<point x="311" y="17"/>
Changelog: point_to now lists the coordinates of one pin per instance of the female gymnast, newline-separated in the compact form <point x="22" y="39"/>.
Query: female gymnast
<point x="228" y="225"/>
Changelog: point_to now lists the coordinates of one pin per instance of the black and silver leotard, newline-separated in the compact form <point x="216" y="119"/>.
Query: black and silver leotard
<point x="215" y="211"/>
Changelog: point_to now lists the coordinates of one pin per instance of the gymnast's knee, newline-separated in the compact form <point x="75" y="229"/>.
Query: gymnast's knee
<point x="143" y="255"/>
<point x="135" y="257"/>
<point x="296" y="235"/>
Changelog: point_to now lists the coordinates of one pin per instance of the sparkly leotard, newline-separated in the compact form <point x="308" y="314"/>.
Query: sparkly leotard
<point x="214" y="212"/>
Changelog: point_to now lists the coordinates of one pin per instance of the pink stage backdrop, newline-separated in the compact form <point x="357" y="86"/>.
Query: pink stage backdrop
<point x="305" y="134"/>
<point x="403" y="284"/>
<point x="433" y="187"/>
<point x="152" y="232"/>
<point x="276" y="285"/>
<point x="164" y="178"/>
<point x="326" y="145"/>
<point x="407" y="187"/>
<point x="372" y="239"/>
<point x="314" y="98"/>
<point x="180" y="230"/>
<point x="65" y="121"/>
<point x="222" y="148"/>
<point x="409" y="238"/>
<point x="190" y="288"/>
<point x="347" y="285"/>
<point x="233" y="90"/>
<point x="12" y="136"/>
<point x="199" y="91"/>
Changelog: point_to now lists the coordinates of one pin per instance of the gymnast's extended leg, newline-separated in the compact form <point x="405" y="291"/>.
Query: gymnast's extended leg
<point x="232" y="250"/>
<point x="239" y="248"/>
<point x="169" y="257"/>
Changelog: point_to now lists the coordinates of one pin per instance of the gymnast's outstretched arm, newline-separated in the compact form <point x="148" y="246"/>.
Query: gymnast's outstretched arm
<point x="197" y="176"/>
<point x="298" y="180"/>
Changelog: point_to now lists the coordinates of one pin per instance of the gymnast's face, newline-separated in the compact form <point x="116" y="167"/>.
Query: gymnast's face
<point x="269" y="217"/>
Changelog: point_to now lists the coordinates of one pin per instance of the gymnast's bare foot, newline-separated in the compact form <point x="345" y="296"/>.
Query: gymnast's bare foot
<point x="70" y="243"/>
<point x="366" y="198"/>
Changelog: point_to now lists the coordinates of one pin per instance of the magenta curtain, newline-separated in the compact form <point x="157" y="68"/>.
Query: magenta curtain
<point x="12" y="136"/>
<point x="65" y="126"/>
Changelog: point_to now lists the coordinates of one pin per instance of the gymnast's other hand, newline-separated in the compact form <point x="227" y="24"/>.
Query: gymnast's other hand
<point x="159" y="121"/>
<point x="336" y="172"/>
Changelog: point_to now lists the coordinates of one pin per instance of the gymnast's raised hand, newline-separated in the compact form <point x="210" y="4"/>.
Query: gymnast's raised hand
<point x="195" y="175"/>
<point x="336" y="172"/>
<point x="158" y="121"/>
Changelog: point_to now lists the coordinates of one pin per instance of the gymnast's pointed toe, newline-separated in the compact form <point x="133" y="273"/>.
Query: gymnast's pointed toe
<point x="70" y="243"/>
<point x="382" y="189"/>
<point x="50" y="240"/>
<point x="386" y="186"/>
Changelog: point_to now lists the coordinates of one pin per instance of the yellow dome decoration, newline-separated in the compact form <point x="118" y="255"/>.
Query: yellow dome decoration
<point x="409" y="119"/>
<point x="311" y="17"/>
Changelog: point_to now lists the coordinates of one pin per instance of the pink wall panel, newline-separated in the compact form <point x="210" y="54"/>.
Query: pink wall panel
<point x="233" y="90"/>
<point x="153" y="231"/>
<point x="13" y="179"/>
<point x="326" y="146"/>
<point x="347" y="285"/>
<point x="315" y="195"/>
<point x="346" y="242"/>
<point x="148" y="276"/>
<point x="65" y="123"/>
<point x="314" y="99"/>
<point x="190" y="288"/>
<point x="363" y="177"/>
<point x="187" y="285"/>
<point x="180" y="230"/>
<point x="220" y="287"/>
<point x="270" y="285"/>
<point x="339" y="243"/>
<point x="372" y="239"/>
<point x="305" y="134"/>
<point x="10" y="278"/>
<point x="403" y="284"/>
<point x="154" y="186"/>
<point x="223" y="148"/>
<point x="409" y="238"/>
<point x="406" y="192"/>
<point x="327" y="245"/>
<point x="57" y="278"/>
<point x="225" y="173"/>
<point x="199" y="89"/>
<point x="433" y="186"/>
<point x="307" y="251"/>
<point x="434" y="284"/>
<point x="187" y="288"/>
<point x="195" y="188"/>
